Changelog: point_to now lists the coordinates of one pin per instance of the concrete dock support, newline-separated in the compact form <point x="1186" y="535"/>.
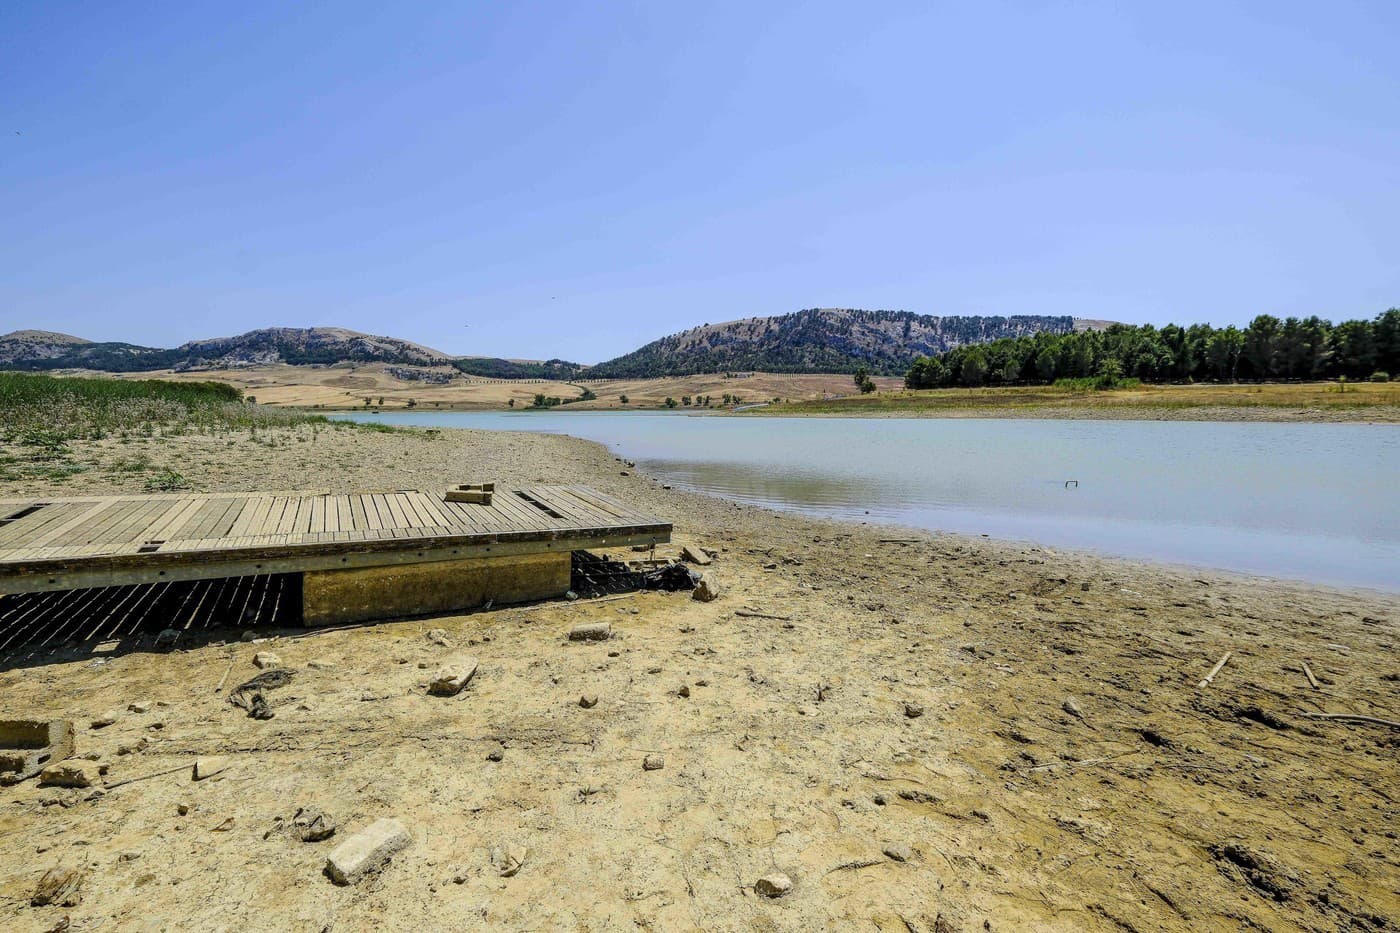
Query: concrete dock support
<point x="336" y="597"/>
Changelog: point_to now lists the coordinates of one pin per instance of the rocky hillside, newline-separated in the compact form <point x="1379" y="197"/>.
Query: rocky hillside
<point x="31" y="349"/>
<point x="820" y="340"/>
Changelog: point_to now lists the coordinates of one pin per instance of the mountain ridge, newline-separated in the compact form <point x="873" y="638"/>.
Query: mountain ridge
<point x="813" y="340"/>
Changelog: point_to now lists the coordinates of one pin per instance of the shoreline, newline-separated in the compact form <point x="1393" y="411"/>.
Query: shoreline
<point x="795" y="746"/>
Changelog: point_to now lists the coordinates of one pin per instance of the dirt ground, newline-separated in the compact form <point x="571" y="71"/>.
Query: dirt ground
<point x="924" y="732"/>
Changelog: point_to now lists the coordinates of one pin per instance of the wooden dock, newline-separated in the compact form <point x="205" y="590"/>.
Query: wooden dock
<point x="80" y="543"/>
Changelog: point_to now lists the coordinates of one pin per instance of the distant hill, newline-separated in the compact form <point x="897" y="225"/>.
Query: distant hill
<point x="33" y="349"/>
<point x="819" y="340"/>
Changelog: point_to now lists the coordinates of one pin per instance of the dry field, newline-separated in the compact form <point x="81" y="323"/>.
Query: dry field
<point x="347" y="386"/>
<point x="924" y="732"/>
<point x="1309" y="401"/>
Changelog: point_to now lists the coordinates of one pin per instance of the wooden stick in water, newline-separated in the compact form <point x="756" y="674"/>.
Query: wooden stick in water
<point x="1311" y="679"/>
<point x="1214" y="670"/>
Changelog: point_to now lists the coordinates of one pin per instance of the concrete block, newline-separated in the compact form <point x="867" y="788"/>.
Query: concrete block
<point x="337" y="597"/>
<point x="27" y="745"/>
<point x="591" y="631"/>
<point x="365" y="851"/>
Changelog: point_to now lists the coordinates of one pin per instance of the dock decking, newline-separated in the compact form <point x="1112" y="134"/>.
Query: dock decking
<point x="71" y="543"/>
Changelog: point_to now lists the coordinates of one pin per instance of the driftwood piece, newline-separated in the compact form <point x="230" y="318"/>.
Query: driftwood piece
<point x="1353" y="717"/>
<point x="1311" y="679"/>
<point x="228" y="670"/>
<point x="147" y="777"/>
<point x="1213" y="671"/>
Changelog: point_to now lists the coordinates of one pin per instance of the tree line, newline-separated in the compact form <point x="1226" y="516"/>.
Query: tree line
<point x="1267" y="349"/>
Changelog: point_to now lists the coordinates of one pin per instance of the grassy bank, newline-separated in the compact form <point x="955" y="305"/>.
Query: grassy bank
<point x="42" y="417"/>
<point x="1275" y="401"/>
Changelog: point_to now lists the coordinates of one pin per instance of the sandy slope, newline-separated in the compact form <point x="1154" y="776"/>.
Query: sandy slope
<point x="1065" y="774"/>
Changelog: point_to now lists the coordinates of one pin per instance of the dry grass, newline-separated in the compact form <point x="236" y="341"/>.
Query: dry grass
<point x="1374" y="401"/>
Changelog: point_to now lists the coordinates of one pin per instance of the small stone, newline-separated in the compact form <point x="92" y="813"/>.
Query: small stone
<point x="683" y="692"/>
<point x="1072" y="707"/>
<point x="508" y="859"/>
<point x="913" y="710"/>
<point x="249" y="635"/>
<point x="208" y="767"/>
<point x="167" y="639"/>
<point x="367" y="850"/>
<point x="497" y="752"/>
<point x="899" y="853"/>
<point x="653" y="763"/>
<point x="774" y="885"/>
<point x="706" y="590"/>
<point x="104" y="720"/>
<point x="591" y="631"/>
<point x="182" y="808"/>
<point x="61" y="886"/>
<point x="452" y="677"/>
<point x="266" y="659"/>
<point x="880" y="800"/>
<point x="74" y="773"/>
<point x="571" y="596"/>
<point x="439" y="637"/>
<point x="588" y="700"/>
<point x="128" y="856"/>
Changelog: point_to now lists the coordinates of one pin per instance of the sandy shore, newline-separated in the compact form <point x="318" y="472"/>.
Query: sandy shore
<point x="1062" y="772"/>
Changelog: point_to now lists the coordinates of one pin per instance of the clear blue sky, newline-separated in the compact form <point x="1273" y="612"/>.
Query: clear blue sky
<point x="573" y="179"/>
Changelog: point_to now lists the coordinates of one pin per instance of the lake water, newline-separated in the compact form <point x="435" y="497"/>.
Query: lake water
<point x="1317" y="502"/>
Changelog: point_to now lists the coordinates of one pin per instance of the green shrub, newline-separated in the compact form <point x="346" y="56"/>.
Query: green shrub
<point x="1380" y="375"/>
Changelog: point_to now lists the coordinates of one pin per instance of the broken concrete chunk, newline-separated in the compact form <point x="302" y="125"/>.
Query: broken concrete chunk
<point x="61" y="886"/>
<point x="74" y="773"/>
<point x="695" y="555"/>
<point x="591" y="631"/>
<point x="774" y="885"/>
<point x="208" y="767"/>
<point x="706" y="590"/>
<point x="266" y="659"/>
<point x="366" y="851"/>
<point x="453" y="676"/>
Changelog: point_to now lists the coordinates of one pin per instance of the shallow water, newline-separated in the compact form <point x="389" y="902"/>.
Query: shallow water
<point x="1316" y="502"/>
